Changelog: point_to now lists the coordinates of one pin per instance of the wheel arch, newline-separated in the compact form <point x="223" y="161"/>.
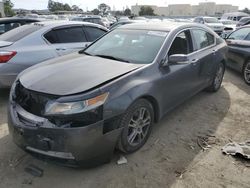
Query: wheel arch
<point x="155" y="105"/>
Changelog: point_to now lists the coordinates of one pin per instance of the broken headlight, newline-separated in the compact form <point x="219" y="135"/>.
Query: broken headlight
<point x="57" y="108"/>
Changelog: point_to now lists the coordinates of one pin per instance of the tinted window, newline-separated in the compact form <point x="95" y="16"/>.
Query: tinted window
<point x="94" y="33"/>
<point x="240" y="34"/>
<point x="202" y="39"/>
<point x="19" y="33"/>
<point x="66" y="35"/>
<point x="182" y="44"/>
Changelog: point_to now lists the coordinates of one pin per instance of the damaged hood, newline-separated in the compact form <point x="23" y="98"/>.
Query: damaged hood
<point x="73" y="74"/>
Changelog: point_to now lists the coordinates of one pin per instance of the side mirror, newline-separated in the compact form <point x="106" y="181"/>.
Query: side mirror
<point x="178" y="58"/>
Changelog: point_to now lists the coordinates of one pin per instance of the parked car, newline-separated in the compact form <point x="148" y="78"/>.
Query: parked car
<point x="31" y="44"/>
<point x="120" y="23"/>
<point x="76" y="109"/>
<point x="7" y="24"/>
<point x="243" y="21"/>
<point x="234" y="16"/>
<point x="238" y="56"/>
<point x="96" y="20"/>
<point x="230" y="26"/>
<point x="211" y="22"/>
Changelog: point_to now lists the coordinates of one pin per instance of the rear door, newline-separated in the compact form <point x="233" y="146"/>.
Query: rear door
<point x="65" y="40"/>
<point x="204" y="53"/>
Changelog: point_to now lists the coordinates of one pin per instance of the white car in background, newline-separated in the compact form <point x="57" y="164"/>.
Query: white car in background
<point x="211" y="22"/>
<point x="230" y="26"/>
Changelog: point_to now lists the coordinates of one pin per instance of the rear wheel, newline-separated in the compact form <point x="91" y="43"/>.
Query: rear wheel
<point x="137" y="122"/>
<point x="218" y="78"/>
<point x="246" y="73"/>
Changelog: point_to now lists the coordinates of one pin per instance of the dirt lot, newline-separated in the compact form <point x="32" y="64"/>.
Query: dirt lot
<point x="171" y="157"/>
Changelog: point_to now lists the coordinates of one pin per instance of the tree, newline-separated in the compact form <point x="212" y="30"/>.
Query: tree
<point x="95" y="11"/>
<point x="75" y="8"/>
<point x="66" y="7"/>
<point x="246" y="10"/>
<point x="8" y="5"/>
<point x="146" y="11"/>
<point x="56" y="6"/>
<point x="103" y="8"/>
<point x="127" y="12"/>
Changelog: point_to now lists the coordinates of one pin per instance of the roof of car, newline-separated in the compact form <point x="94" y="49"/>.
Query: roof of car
<point x="63" y="22"/>
<point x="17" y="19"/>
<point x="159" y="26"/>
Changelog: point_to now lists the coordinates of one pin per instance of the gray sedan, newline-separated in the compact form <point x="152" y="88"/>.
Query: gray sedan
<point x="31" y="44"/>
<point x="78" y="108"/>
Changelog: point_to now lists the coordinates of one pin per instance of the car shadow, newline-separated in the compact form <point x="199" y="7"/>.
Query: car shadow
<point x="169" y="151"/>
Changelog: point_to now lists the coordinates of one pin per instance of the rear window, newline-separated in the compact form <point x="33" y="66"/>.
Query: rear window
<point x="94" y="33"/>
<point x="19" y="33"/>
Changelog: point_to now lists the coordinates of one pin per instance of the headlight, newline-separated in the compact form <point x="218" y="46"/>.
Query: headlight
<point x="56" y="108"/>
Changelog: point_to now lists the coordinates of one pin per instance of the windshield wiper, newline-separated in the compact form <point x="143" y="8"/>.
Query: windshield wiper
<point x="113" y="58"/>
<point x="83" y="52"/>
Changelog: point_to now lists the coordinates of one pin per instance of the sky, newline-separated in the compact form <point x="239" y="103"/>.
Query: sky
<point x="118" y="4"/>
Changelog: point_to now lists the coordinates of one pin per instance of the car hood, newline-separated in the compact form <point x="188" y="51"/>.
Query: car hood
<point x="73" y="74"/>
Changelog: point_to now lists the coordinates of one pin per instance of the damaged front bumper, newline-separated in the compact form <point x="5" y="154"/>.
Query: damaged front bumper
<point x="86" y="146"/>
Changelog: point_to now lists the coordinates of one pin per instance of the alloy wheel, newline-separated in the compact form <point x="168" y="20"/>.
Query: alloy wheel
<point x="138" y="126"/>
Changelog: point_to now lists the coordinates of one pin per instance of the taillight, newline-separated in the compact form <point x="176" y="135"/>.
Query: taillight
<point x="5" y="56"/>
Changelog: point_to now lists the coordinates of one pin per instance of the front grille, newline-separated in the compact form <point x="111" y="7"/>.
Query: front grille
<point x="33" y="102"/>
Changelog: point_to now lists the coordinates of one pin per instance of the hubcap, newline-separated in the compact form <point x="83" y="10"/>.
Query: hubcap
<point x="138" y="126"/>
<point x="247" y="73"/>
<point x="219" y="77"/>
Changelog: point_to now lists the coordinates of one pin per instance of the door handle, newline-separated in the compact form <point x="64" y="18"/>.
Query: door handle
<point x="194" y="61"/>
<point x="60" y="49"/>
<point x="214" y="52"/>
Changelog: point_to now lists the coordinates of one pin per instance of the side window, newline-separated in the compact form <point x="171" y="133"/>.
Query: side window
<point x="182" y="44"/>
<point x="240" y="34"/>
<point x="66" y="35"/>
<point x="202" y="39"/>
<point x="94" y="33"/>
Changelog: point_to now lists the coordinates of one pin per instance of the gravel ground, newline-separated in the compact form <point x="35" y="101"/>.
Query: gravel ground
<point x="171" y="157"/>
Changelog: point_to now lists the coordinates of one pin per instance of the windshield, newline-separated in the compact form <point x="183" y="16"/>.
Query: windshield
<point x="132" y="46"/>
<point x="211" y="20"/>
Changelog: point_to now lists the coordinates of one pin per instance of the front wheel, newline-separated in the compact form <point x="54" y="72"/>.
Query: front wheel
<point x="218" y="78"/>
<point x="137" y="122"/>
<point x="246" y="73"/>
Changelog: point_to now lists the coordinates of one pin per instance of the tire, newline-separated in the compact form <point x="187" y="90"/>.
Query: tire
<point x="246" y="73"/>
<point x="136" y="129"/>
<point x="218" y="78"/>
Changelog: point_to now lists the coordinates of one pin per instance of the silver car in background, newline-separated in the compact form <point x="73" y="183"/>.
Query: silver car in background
<point x="31" y="44"/>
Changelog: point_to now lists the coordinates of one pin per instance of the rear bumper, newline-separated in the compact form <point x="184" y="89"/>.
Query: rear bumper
<point x="86" y="146"/>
